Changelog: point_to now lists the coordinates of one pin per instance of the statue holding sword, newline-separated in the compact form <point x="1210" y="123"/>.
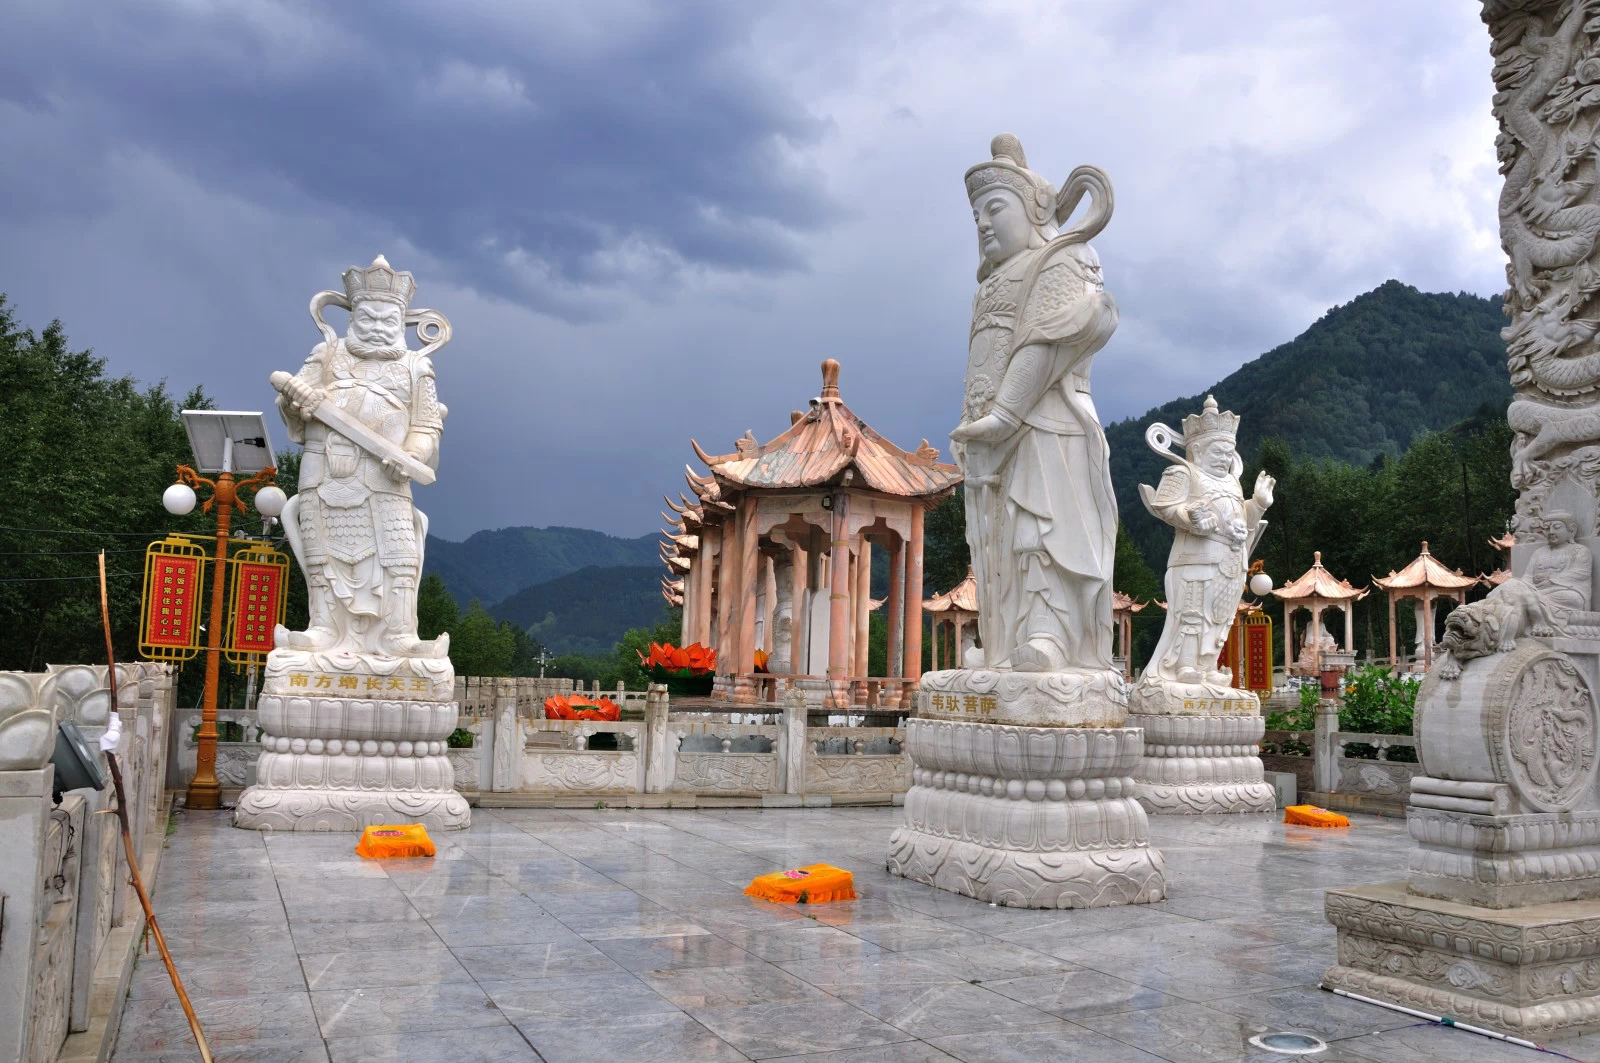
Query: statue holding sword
<point x="365" y="408"/>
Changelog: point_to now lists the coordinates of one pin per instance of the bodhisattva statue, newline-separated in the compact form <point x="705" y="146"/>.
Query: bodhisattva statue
<point x="1060" y="827"/>
<point x="1215" y="527"/>
<point x="1041" y="517"/>
<point x="352" y="525"/>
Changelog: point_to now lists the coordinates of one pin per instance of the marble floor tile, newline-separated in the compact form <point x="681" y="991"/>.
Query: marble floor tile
<point x="495" y="1044"/>
<point x="603" y="927"/>
<point x="404" y="1010"/>
<point x="257" y="1052"/>
<point x="364" y="937"/>
<point x="900" y="1052"/>
<point x="610" y="998"/>
<point x="1080" y="992"/>
<point x="679" y="950"/>
<point x="465" y="933"/>
<point x="669" y="1037"/>
<point x="217" y="976"/>
<point x="1196" y="976"/>
<point x="1060" y="1042"/>
<point x="1182" y="1033"/>
<point x="374" y="970"/>
<point x="534" y="960"/>
<point x="796" y="942"/>
<point x="337" y="910"/>
<point x="791" y="1028"/>
<point x="901" y="968"/>
<point x="509" y="905"/>
<point x="1439" y="1044"/>
<point x="159" y="1024"/>
<point x="692" y="988"/>
<point x="928" y="1011"/>
<point x="1307" y="1009"/>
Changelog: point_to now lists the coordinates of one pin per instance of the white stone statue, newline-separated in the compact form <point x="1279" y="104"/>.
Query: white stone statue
<point x="1215" y="528"/>
<point x="1316" y="637"/>
<point x="352" y="525"/>
<point x="355" y="710"/>
<point x="1041" y="517"/>
<point x="1022" y="762"/>
<point x="1199" y="729"/>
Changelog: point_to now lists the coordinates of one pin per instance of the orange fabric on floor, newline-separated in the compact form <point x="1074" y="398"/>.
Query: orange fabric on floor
<point x="406" y="839"/>
<point x="1312" y="816"/>
<point x="814" y="884"/>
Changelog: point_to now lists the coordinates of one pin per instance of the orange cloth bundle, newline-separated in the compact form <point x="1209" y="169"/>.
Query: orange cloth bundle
<point x="1312" y="816"/>
<point x="406" y="839"/>
<point x="816" y="884"/>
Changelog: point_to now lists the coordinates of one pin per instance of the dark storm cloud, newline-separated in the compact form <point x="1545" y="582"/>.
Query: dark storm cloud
<point x="541" y="152"/>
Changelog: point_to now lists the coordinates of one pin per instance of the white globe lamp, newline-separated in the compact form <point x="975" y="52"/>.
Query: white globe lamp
<point x="270" y="500"/>
<point x="178" y="499"/>
<point x="1260" y="584"/>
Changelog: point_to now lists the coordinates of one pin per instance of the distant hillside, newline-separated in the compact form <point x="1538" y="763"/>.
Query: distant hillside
<point x="1365" y="380"/>
<point x="589" y="610"/>
<point x="492" y="565"/>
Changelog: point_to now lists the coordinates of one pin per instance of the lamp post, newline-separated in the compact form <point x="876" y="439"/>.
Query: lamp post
<point x="204" y="790"/>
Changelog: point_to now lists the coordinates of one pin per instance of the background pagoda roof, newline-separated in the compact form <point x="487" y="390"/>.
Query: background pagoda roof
<point x="963" y="597"/>
<point x="824" y="442"/>
<point x="1318" y="582"/>
<point x="1425" y="571"/>
<point x="1122" y="603"/>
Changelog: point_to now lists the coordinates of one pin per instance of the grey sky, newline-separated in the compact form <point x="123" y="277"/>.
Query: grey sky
<point x="652" y="220"/>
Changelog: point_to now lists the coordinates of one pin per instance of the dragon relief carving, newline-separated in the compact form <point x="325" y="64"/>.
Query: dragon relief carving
<point x="1547" y="103"/>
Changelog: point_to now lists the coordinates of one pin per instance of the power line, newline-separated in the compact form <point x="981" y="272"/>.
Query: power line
<point x="55" y="579"/>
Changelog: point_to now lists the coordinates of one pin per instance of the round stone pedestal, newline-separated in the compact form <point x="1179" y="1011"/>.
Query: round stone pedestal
<point x="1031" y="817"/>
<point x="1193" y="765"/>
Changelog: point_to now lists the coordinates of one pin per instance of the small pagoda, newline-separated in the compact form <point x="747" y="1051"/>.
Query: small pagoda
<point x="1503" y="544"/>
<point x="775" y="553"/>
<point x="953" y="613"/>
<point x="1318" y="589"/>
<point x="1424" y="581"/>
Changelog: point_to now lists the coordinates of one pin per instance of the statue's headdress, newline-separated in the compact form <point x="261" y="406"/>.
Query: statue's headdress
<point x="379" y="281"/>
<point x="1208" y="424"/>
<point x="1009" y="168"/>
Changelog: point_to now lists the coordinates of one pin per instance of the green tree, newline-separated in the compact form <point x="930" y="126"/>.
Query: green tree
<point x="945" y="555"/>
<point x="481" y="645"/>
<point x="436" y="610"/>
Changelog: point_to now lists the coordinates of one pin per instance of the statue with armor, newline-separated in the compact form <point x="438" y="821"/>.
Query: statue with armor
<point x="1215" y="528"/>
<point x="1041" y="516"/>
<point x="352" y="525"/>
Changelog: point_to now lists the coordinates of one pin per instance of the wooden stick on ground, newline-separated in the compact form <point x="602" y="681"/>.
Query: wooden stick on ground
<point x="127" y="836"/>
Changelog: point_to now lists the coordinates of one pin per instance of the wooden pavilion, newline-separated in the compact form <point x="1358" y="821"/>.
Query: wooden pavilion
<point x="1503" y="544"/>
<point x="775" y="552"/>
<point x="1316" y="590"/>
<point x="1122" y="609"/>
<point x="1425" y="580"/>
<point x="952" y="614"/>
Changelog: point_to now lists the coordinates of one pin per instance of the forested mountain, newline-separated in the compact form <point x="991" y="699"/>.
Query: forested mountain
<point x="587" y="611"/>
<point x="490" y="566"/>
<point x="1366" y="380"/>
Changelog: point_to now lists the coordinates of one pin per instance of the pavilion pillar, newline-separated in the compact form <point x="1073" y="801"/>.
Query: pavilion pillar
<point x="1427" y="635"/>
<point x="895" y="608"/>
<point x="749" y="574"/>
<point x="797" y="630"/>
<point x="1288" y="636"/>
<point x="839" y="596"/>
<point x="722" y="581"/>
<point x="1394" y="644"/>
<point x="913" y="597"/>
<point x="863" y="604"/>
<point x="1350" y="627"/>
<point x="1316" y="631"/>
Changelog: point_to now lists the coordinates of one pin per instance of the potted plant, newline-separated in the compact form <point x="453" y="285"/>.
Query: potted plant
<point x="686" y="670"/>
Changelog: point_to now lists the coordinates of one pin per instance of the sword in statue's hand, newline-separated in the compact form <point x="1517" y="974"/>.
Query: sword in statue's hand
<point x="359" y="434"/>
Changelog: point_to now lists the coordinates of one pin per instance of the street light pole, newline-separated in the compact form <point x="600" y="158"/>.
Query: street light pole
<point x="205" y="792"/>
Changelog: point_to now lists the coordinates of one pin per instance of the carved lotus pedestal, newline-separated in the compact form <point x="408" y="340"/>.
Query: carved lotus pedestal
<point x="1202" y="749"/>
<point x="1016" y="811"/>
<point x="353" y="740"/>
<point x="1498" y="921"/>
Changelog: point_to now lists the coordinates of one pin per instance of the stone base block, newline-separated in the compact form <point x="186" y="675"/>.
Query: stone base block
<point x="1501" y="861"/>
<point x="1533" y="971"/>
<point x="1194" y="765"/>
<point x="1078" y="698"/>
<point x="1153" y="696"/>
<point x="1031" y="817"/>
<point x="260" y="808"/>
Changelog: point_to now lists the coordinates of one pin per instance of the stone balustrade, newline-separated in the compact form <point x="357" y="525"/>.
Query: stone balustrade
<point x="69" y="919"/>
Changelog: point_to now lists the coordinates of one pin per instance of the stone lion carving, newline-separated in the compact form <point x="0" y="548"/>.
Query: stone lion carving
<point x="1492" y="626"/>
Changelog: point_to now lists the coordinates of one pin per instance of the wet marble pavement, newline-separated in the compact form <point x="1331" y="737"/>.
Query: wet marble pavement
<point x="613" y="935"/>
